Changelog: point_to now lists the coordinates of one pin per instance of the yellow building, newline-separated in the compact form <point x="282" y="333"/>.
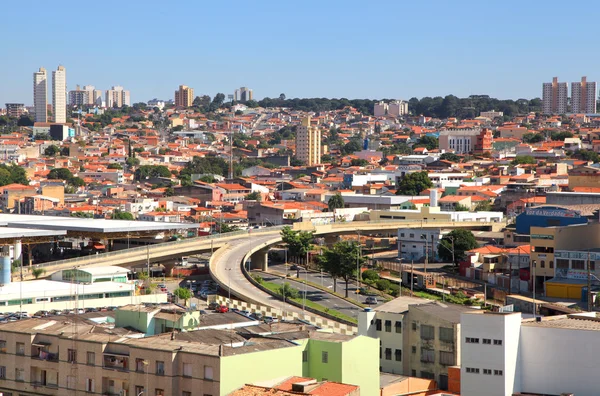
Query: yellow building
<point x="184" y="96"/>
<point x="308" y="143"/>
<point x="584" y="176"/>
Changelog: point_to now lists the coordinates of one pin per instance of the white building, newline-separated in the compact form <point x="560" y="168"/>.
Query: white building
<point x="554" y="97"/>
<point x="114" y="176"/>
<point x="412" y="243"/>
<point x="502" y="355"/>
<point x="491" y="114"/>
<point x="398" y="108"/>
<point x="40" y="96"/>
<point x="583" y="97"/>
<point x="117" y="97"/>
<point x="59" y="95"/>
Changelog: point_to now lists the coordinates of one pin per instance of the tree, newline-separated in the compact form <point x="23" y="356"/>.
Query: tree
<point x="523" y="159"/>
<point x="587" y="155"/>
<point x="281" y="96"/>
<point x="114" y="166"/>
<point x="450" y="157"/>
<point x="461" y="208"/>
<point x="359" y="162"/>
<point x="533" y="137"/>
<point x="428" y="142"/>
<point x="225" y="228"/>
<point x="42" y="136"/>
<point x="414" y="183"/>
<point x="483" y="206"/>
<point x="121" y="215"/>
<point x="352" y="146"/>
<point x="37" y="272"/>
<point x="561" y="135"/>
<point x="341" y="261"/>
<point x="370" y="276"/>
<point x="132" y="161"/>
<point x="183" y="293"/>
<point x="76" y="182"/>
<point x="51" y="150"/>
<point x="299" y="243"/>
<point x="287" y="291"/>
<point x="25" y="120"/>
<point x="461" y="240"/>
<point x="335" y="202"/>
<point x="146" y="171"/>
<point x="253" y="196"/>
<point x="60" y="174"/>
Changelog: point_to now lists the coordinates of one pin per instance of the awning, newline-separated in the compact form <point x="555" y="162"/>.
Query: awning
<point x="41" y="344"/>
<point x="99" y="246"/>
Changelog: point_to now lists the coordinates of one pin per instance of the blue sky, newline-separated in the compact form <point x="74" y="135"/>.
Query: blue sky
<point x="320" y="48"/>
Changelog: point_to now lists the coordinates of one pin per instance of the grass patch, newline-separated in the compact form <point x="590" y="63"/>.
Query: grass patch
<point x="275" y="287"/>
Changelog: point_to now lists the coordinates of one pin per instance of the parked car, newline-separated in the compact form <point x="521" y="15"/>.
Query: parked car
<point x="222" y="309"/>
<point x="257" y="316"/>
<point x="371" y="300"/>
<point x="213" y="305"/>
<point x="91" y="310"/>
<point x="294" y="267"/>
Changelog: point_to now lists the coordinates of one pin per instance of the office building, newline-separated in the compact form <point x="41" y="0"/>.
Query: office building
<point x="40" y="95"/>
<point x="308" y="143"/>
<point x="117" y="97"/>
<point x="504" y="355"/>
<point x="583" y="97"/>
<point x="184" y="96"/>
<point x="15" y="110"/>
<point x="243" y="94"/>
<point x="94" y="96"/>
<point x="465" y="141"/>
<point x="59" y="95"/>
<point x="554" y="97"/>
<point x="78" y="97"/>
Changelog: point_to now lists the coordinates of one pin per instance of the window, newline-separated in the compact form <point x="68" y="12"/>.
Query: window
<point x="305" y="356"/>
<point x="427" y="332"/>
<point x="139" y="389"/>
<point x="427" y="355"/>
<point x="414" y="326"/>
<point x="398" y="355"/>
<point x="388" y="353"/>
<point x="398" y="326"/>
<point x="378" y="324"/>
<point x="497" y="342"/>
<point x="578" y="264"/>
<point x="71" y="382"/>
<point x="2" y="346"/>
<point x="427" y="375"/>
<point x="471" y="340"/>
<point x="186" y="393"/>
<point x="159" y="392"/>
<point x="89" y="385"/>
<point x="19" y="374"/>
<point x="551" y="264"/>
<point x="140" y="365"/>
<point x="487" y="372"/>
<point x="402" y="235"/>
<point x="412" y="235"/>
<point x="592" y="266"/>
<point x="486" y="341"/>
<point x="208" y="373"/>
<point x="20" y="348"/>
<point x="447" y="358"/>
<point x="446" y="334"/>
<point x="497" y="372"/>
<point x="542" y="263"/>
<point x="187" y="369"/>
<point x="562" y="263"/>
<point x="472" y="370"/>
<point x="160" y="368"/>
<point x="2" y="372"/>
<point x="71" y="356"/>
<point x="413" y="349"/>
<point x="443" y="382"/>
<point x="413" y="373"/>
<point x="324" y="357"/>
<point x="91" y="358"/>
<point x="388" y="326"/>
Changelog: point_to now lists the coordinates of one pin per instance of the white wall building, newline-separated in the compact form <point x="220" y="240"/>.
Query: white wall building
<point x="117" y="97"/>
<point x="59" y="95"/>
<point x="40" y="95"/>
<point x="502" y="355"/>
<point x="412" y="243"/>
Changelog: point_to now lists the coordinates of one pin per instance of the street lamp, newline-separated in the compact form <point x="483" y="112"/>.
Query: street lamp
<point x="229" y="284"/>
<point x="358" y="264"/>
<point x="424" y="237"/>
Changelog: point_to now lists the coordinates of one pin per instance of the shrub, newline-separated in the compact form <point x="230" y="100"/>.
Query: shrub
<point x="394" y="290"/>
<point x="370" y="275"/>
<point x="383" y="284"/>
<point x="288" y="292"/>
<point x="37" y="272"/>
<point x="258" y="279"/>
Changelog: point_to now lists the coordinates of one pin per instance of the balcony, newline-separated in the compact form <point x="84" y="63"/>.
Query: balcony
<point x="116" y="362"/>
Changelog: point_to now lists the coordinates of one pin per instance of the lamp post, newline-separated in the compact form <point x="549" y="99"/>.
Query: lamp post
<point x="229" y="284"/>
<point x="533" y="265"/>
<point x="423" y="236"/>
<point x="358" y="263"/>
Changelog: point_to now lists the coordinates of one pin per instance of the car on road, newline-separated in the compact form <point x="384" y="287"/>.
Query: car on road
<point x="294" y="267"/>
<point x="222" y="309"/>
<point x="371" y="300"/>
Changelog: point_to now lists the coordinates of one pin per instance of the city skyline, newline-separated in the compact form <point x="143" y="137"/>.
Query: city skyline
<point x="464" y="50"/>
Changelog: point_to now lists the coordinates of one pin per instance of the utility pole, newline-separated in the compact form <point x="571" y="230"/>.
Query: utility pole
<point x="426" y="255"/>
<point x="589" y="283"/>
<point x="412" y="281"/>
<point x="533" y="264"/>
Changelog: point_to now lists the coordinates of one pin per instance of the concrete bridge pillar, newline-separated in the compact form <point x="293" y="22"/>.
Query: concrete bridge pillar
<point x="169" y="265"/>
<point x="260" y="260"/>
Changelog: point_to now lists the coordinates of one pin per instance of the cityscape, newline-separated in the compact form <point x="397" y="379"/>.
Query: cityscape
<point x="272" y="211"/>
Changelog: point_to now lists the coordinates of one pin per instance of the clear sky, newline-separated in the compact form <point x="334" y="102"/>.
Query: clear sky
<point x="309" y="48"/>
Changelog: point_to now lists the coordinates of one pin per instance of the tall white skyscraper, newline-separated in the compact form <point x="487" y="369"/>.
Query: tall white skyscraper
<point x="59" y="94"/>
<point x="583" y="97"/>
<point x="40" y="98"/>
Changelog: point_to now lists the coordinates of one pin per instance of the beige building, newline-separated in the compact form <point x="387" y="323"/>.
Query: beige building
<point x="308" y="143"/>
<point x="117" y="97"/>
<point x="59" y="95"/>
<point x="583" y="97"/>
<point x="554" y="97"/>
<point x="184" y="96"/>
<point x="40" y="95"/>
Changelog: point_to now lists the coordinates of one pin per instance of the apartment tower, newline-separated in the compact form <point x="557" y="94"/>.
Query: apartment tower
<point x="243" y="94"/>
<point x="583" y="97"/>
<point x="308" y="143"/>
<point x="59" y="95"/>
<point x="40" y="98"/>
<point x="117" y="97"/>
<point x="554" y="97"/>
<point x="184" y="96"/>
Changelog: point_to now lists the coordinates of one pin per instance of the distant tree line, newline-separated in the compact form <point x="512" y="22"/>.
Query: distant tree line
<point x="452" y="106"/>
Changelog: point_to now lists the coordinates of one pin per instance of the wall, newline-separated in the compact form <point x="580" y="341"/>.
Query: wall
<point x="246" y="368"/>
<point x="332" y="370"/>
<point x="360" y="364"/>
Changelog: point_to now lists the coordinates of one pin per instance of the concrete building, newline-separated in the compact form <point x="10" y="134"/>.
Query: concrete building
<point x="308" y="143"/>
<point x="554" y="97"/>
<point x="380" y="109"/>
<point x="78" y="97"/>
<point x="184" y="96"/>
<point x="94" y="95"/>
<point x="465" y="141"/>
<point x="583" y="97"/>
<point x="398" y="108"/>
<point x="492" y="114"/>
<point x="117" y="97"/>
<point x="15" y="109"/>
<point x="40" y="95"/>
<point x="413" y="243"/>
<point x="114" y="176"/>
<point x="503" y="355"/>
<point x="243" y="94"/>
<point x="59" y="95"/>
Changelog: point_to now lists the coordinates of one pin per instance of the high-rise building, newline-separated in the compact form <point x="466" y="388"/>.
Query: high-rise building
<point x="243" y="94"/>
<point x="583" y="96"/>
<point x="380" y="109"/>
<point x="86" y="96"/>
<point x="59" y="94"/>
<point x="40" y="98"/>
<point x="94" y="95"/>
<point x="78" y="97"/>
<point x="15" y="109"/>
<point x="397" y="108"/>
<point x="184" y="96"/>
<point x="117" y="97"/>
<point x="554" y="97"/>
<point x="308" y="143"/>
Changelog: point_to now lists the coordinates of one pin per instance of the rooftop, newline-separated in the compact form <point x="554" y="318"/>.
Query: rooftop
<point x="400" y="304"/>
<point x="448" y="312"/>
<point x="572" y="322"/>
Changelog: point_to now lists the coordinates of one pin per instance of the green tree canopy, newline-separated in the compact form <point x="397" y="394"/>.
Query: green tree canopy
<point x="335" y="202"/>
<point x="483" y="206"/>
<point x="253" y="196"/>
<point x="299" y="243"/>
<point x="414" y="183"/>
<point x="561" y="135"/>
<point x="146" y="171"/>
<point x="533" y="137"/>
<point x="588" y="155"/>
<point x="60" y="173"/>
<point x="428" y="142"/>
<point x="523" y="159"/>
<point x="114" y="166"/>
<point x="450" y="157"/>
<point x="183" y="293"/>
<point x="463" y="240"/>
<point x="52" y="150"/>
<point x="121" y="215"/>
<point x="341" y="260"/>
